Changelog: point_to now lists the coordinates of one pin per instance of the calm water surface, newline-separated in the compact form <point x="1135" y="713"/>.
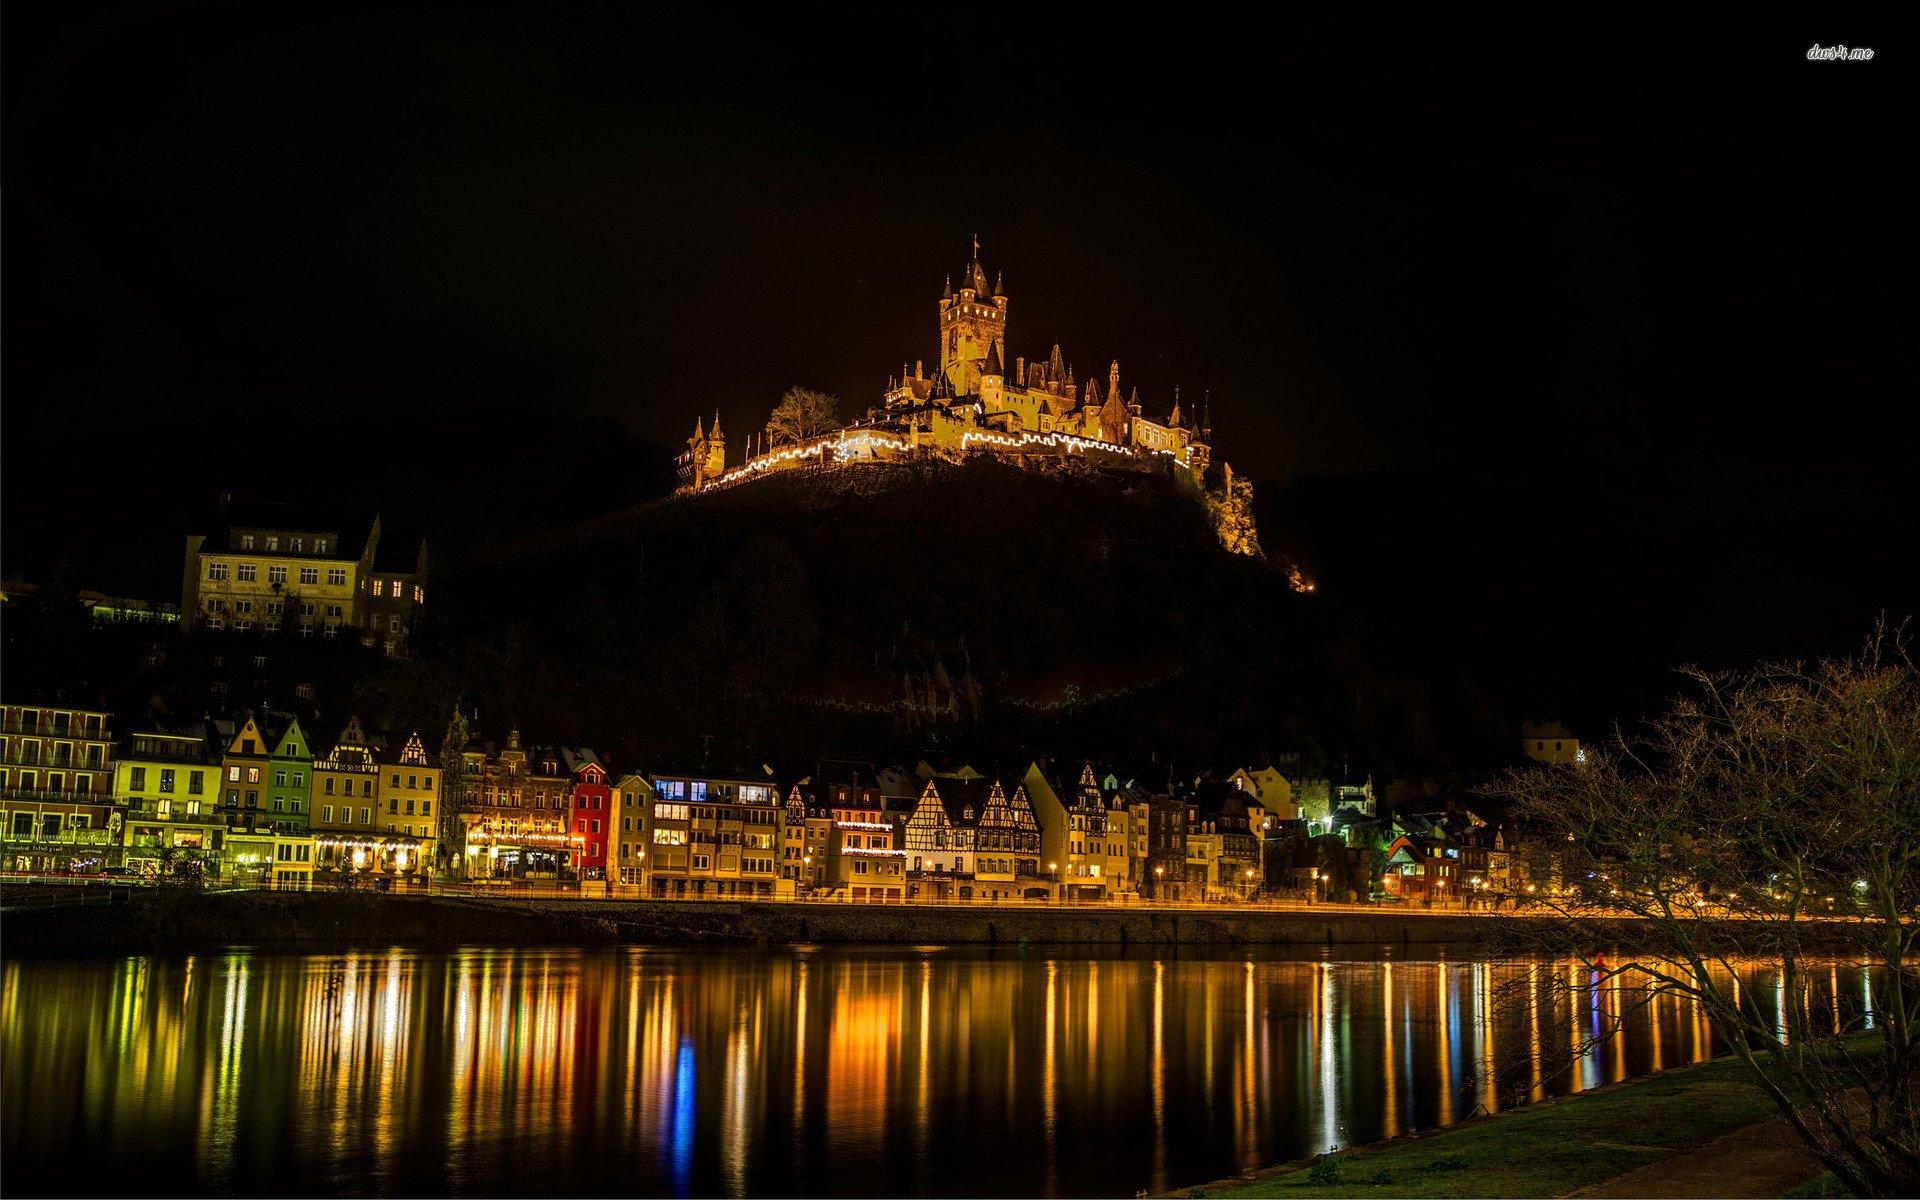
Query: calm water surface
<point x="822" y="1072"/>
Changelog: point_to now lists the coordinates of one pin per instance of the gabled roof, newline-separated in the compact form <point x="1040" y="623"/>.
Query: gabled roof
<point x="964" y="799"/>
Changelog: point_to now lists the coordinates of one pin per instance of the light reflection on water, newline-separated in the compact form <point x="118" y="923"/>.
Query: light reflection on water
<point x="812" y="1072"/>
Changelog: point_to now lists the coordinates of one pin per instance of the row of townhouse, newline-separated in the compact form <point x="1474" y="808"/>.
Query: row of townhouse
<point x="252" y="801"/>
<point x="850" y="831"/>
<point x="260" y="799"/>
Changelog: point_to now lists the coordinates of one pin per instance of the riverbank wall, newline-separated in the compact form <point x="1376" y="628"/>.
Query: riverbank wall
<point x="127" y="920"/>
<point x="790" y="923"/>
<point x="133" y="920"/>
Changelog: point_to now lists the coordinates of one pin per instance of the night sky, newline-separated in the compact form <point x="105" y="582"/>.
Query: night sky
<point x="1524" y="332"/>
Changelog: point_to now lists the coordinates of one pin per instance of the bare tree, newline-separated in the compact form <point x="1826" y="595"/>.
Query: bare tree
<point x="1769" y="818"/>
<point x="801" y="415"/>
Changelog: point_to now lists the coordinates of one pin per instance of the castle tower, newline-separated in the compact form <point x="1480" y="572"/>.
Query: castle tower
<point x="715" y="453"/>
<point x="973" y="321"/>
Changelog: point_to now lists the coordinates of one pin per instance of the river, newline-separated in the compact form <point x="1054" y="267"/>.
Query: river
<point x="796" y="1072"/>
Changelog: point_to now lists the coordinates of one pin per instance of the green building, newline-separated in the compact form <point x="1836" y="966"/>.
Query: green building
<point x="290" y="780"/>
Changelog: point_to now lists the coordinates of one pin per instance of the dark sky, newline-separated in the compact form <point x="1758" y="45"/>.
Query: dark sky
<point x="1655" y="258"/>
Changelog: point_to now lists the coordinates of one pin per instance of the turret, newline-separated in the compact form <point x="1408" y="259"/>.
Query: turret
<point x="715" y="459"/>
<point x="992" y="380"/>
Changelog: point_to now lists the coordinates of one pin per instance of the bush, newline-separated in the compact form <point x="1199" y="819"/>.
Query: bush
<point x="1325" y="1173"/>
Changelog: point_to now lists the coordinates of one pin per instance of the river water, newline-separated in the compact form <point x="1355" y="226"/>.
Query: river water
<point x="817" y="1072"/>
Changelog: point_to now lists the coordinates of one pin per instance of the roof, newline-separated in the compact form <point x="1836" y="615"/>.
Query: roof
<point x="400" y="552"/>
<point x="352" y="526"/>
<point x="964" y="799"/>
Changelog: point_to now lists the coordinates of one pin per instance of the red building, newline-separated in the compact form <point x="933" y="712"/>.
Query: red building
<point x="592" y="814"/>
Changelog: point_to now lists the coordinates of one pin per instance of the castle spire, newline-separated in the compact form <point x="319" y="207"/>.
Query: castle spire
<point x="699" y="430"/>
<point x="1113" y="378"/>
<point x="716" y="423"/>
<point x="1174" y="420"/>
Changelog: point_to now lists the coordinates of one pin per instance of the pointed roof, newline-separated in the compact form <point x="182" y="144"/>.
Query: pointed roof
<point x="716" y="425"/>
<point x="993" y="366"/>
<point x="964" y="799"/>
<point x="975" y="275"/>
<point x="1174" y="419"/>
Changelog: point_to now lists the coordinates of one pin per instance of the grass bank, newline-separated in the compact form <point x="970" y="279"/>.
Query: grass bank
<point x="1547" y="1149"/>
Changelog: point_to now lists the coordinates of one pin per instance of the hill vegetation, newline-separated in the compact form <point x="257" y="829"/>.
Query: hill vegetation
<point x="982" y="608"/>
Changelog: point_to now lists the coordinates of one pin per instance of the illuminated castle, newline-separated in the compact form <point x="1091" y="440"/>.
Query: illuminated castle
<point x="972" y="404"/>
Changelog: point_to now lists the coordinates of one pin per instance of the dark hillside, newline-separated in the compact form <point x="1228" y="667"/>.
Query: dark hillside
<point x="980" y="605"/>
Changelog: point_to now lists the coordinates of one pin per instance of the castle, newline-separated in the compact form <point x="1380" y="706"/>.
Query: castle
<point x="972" y="404"/>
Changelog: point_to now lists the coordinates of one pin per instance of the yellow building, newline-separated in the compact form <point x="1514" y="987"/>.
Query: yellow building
<point x="281" y="567"/>
<point x="265" y="857"/>
<point x="1550" y="742"/>
<point x="632" y="800"/>
<point x="169" y="784"/>
<point x="1082" y="843"/>
<point x="407" y="793"/>
<point x="353" y="837"/>
<point x="245" y="769"/>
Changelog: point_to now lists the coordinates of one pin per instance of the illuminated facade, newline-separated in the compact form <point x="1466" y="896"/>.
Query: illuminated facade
<point x="408" y="792"/>
<point x="851" y="843"/>
<point x="971" y="839"/>
<point x="57" y="809"/>
<point x="518" y="813"/>
<point x="592" y="815"/>
<point x="290" y="780"/>
<point x="1550" y="742"/>
<point x="1083" y="831"/>
<point x="714" y="835"/>
<point x="281" y="568"/>
<point x="353" y="835"/>
<point x="631" y="799"/>
<point x="169" y="785"/>
<point x="304" y="570"/>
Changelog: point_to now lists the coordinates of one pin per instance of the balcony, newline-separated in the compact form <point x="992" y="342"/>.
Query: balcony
<point x="178" y="816"/>
<point x="49" y="796"/>
<point x="59" y="837"/>
<point x="44" y="729"/>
